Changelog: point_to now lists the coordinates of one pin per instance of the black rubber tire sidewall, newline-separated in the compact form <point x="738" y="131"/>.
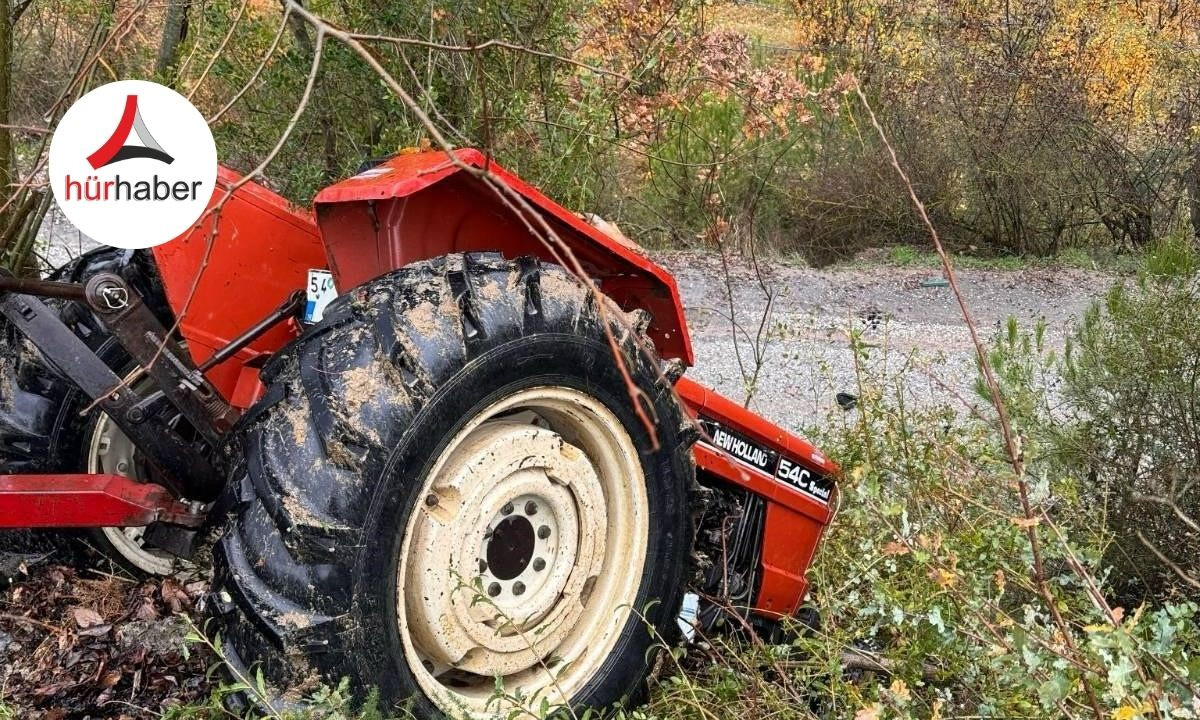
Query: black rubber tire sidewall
<point x="538" y="360"/>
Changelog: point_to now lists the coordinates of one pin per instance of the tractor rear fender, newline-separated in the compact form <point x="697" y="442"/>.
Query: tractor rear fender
<point x="424" y="205"/>
<point x="236" y="266"/>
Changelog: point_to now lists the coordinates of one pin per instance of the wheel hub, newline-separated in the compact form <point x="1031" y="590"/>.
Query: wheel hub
<point x="510" y="549"/>
<point x="504" y="535"/>
<point x="519" y="546"/>
<point x="521" y="565"/>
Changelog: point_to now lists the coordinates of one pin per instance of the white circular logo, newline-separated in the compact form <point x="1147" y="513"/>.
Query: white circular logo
<point x="133" y="164"/>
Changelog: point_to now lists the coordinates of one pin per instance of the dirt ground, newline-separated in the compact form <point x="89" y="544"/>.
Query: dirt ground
<point x="86" y="643"/>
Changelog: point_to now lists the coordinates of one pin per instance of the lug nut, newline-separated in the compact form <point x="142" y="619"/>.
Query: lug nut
<point x="507" y="509"/>
<point x="539" y="564"/>
<point x="431" y="500"/>
<point x="518" y="588"/>
<point x="494" y="589"/>
<point x="531" y="508"/>
<point x="482" y="565"/>
<point x="544" y="532"/>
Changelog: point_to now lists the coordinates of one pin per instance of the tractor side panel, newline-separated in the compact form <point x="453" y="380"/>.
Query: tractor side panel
<point x="419" y="206"/>
<point x="794" y="478"/>
<point x="221" y="283"/>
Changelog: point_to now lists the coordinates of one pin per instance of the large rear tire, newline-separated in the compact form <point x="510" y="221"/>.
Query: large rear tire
<point x="448" y="485"/>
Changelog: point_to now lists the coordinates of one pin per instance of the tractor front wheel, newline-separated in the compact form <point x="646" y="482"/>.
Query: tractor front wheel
<point x="456" y="493"/>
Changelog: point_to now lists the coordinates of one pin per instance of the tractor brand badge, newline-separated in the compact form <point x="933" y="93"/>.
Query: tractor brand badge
<point x="765" y="460"/>
<point x="133" y="164"/>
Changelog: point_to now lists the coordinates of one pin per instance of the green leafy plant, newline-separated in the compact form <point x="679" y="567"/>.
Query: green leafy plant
<point x="1132" y="378"/>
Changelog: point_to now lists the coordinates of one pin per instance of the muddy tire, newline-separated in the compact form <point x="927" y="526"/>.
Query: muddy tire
<point x="41" y="429"/>
<point x="447" y="483"/>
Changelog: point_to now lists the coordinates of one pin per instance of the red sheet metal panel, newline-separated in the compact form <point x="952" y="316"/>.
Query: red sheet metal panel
<point x="262" y="252"/>
<point x="79" y="501"/>
<point x="795" y="519"/>
<point x="419" y="206"/>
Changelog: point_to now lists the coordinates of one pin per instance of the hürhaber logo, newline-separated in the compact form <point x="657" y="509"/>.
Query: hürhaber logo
<point x="133" y="164"/>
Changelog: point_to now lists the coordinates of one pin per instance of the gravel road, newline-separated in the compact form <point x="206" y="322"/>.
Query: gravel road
<point x="914" y="330"/>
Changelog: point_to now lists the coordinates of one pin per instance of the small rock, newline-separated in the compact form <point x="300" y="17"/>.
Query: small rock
<point x="160" y="637"/>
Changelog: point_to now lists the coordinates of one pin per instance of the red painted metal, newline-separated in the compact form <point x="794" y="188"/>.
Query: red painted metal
<point x="261" y="253"/>
<point x="419" y="206"/>
<point x="795" y="520"/>
<point x="65" y="501"/>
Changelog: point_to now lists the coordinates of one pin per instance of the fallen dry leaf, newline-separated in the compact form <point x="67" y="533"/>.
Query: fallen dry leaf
<point x="110" y="678"/>
<point x="943" y="578"/>
<point x="870" y="712"/>
<point x="175" y="596"/>
<point x="87" y="617"/>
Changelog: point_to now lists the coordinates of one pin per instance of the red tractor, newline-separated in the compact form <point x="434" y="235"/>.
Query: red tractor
<point x="473" y="480"/>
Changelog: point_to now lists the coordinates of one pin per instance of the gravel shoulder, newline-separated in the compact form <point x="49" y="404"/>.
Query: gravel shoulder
<point x="913" y="325"/>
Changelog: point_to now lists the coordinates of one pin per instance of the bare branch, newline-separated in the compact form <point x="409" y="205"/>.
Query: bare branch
<point x="484" y="46"/>
<point x="237" y="19"/>
<point x="283" y="21"/>
<point x="1183" y="574"/>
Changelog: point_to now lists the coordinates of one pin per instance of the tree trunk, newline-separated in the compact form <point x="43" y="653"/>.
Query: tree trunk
<point x="1193" y="183"/>
<point x="8" y="173"/>
<point x="173" y="35"/>
<point x="299" y="29"/>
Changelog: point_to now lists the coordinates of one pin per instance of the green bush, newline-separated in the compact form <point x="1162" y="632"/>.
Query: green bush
<point x="1120" y="409"/>
<point x="1173" y="256"/>
<point x="1132" y="378"/>
<point x="929" y="566"/>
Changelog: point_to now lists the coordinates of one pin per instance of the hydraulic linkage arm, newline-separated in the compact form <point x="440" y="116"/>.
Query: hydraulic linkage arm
<point x="182" y="466"/>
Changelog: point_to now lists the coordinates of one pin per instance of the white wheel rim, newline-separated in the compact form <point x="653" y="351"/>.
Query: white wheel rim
<point x="546" y="489"/>
<point x="110" y="451"/>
